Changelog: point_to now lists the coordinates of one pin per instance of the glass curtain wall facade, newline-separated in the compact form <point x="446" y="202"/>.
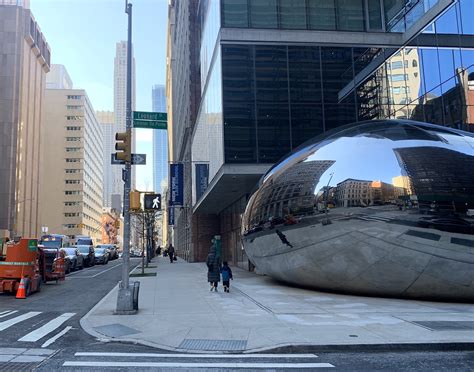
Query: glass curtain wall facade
<point x="332" y="15"/>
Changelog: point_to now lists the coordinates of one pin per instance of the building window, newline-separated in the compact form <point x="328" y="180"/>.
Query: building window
<point x="73" y="149"/>
<point x="322" y="14"/>
<point x="350" y="15"/>
<point x="293" y="14"/>
<point x="74" y="97"/>
<point x="73" y="139"/>
<point x="73" y="160"/>
<point x="263" y="14"/>
<point x="399" y="77"/>
<point x="73" y="128"/>
<point x="235" y="13"/>
<point x="74" y="107"/>
<point x="74" y="117"/>
<point x="73" y="182"/>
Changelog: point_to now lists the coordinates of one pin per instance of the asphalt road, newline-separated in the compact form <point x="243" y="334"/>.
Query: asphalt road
<point x="43" y="333"/>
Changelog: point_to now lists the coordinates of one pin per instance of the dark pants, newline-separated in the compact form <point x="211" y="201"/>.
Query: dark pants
<point x="226" y="283"/>
<point x="171" y="257"/>
<point x="214" y="284"/>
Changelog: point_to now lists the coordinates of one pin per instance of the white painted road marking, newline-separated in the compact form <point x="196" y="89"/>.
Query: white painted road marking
<point x="8" y="323"/>
<point x="95" y="275"/>
<point x="47" y="328"/>
<point x="216" y="356"/>
<point x="197" y="365"/>
<point x="54" y="338"/>
<point x="7" y="313"/>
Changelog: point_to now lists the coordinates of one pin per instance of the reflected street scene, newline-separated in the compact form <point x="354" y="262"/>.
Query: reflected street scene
<point x="382" y="207"/>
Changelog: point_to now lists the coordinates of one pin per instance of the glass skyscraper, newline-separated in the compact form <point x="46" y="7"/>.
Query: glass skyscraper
<point x="275" y="73"/>
<point x="160" y="140"/>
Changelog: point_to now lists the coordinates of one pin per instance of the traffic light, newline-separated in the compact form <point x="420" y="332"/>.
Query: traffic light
<point x="135" y="201"/>
<point x="123" y="146"/>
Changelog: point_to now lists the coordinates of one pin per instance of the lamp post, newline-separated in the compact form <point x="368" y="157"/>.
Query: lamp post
<point x="125" y="293"/>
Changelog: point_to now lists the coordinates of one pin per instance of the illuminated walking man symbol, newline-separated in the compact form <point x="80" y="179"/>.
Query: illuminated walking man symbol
<point x="156" y="202"/>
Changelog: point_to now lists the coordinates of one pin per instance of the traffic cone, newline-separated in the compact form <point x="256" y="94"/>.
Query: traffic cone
<point x="21" y="293"/>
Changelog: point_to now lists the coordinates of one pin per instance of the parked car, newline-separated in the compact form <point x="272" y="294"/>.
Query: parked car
<point x="87" y="252"/>
<point x="112" y="249"/>
<point x="74" y="259"/>
<point x="101" y="255"/>
<point x="84" y="240"/>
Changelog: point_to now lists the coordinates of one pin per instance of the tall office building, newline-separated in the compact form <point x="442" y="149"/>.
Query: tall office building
<point x="120" y="108"/>
<point x="272" y="74"/>
<point x="160" y="141"/>
<point x="72" y="168"/>
<point x="24" y="62"/>
<point x="106" y="121"/>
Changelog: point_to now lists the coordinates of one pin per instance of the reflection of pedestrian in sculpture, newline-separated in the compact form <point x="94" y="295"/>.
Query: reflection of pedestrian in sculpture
<point x="283" y="238"/>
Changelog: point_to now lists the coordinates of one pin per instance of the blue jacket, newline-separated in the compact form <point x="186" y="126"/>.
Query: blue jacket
<point x="226" y="273"/>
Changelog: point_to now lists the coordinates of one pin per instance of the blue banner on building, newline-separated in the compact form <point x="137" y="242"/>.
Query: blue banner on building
<point x="171" y="216"/>
<point x="176" y="184"/>
<point x="202" y="179"/>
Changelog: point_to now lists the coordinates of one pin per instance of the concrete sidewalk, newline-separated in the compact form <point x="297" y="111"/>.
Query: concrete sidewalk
<point x="179" y="313"/>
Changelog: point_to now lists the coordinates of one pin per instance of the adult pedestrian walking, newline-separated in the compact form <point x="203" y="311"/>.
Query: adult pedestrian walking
<point x="213" y="263"/>
<point x="171" y="252"/>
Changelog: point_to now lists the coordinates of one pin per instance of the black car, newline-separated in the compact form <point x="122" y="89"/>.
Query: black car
<point x="101" y="255"/>
<point x="73" y="259"/>
<point x="87" y="252"/>
<point x="112" y="249"/>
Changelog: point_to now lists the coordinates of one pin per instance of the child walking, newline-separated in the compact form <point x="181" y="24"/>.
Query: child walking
<point x="226" y="276"/>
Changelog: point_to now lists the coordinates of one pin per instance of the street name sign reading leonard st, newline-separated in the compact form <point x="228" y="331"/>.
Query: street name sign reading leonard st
<point x="150" y="120"/>
<point x="137" y="159"/>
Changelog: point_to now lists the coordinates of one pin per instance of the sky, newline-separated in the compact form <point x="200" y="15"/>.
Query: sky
<point x="82" y="35"/>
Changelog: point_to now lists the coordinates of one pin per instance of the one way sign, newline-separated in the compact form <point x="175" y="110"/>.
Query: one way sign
<point x="137" y="159"/>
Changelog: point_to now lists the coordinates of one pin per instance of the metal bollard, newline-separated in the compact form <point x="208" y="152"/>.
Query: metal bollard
<point x="136" y="290"/>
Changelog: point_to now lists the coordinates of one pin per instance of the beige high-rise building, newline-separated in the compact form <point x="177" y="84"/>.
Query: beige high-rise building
<point x="24" y="62"/>
<point x="72" y="169"/>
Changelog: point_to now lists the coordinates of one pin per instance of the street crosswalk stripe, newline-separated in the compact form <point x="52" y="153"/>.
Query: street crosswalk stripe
<point x="210" y="356"/>
<point x="197" y="365"/>
<point x="47" y="328"/>
<point x="3" y="314"/>
<point x="8" y="323"/>
<point x="54" y="338"/>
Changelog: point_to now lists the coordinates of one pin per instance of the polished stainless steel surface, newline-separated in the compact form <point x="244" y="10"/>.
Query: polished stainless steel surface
<point x="382" y="207"/>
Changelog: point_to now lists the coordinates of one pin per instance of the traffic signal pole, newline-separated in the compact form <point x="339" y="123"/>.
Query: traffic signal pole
<point x="125" y="294"/>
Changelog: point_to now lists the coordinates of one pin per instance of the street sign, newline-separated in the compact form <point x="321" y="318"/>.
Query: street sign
<point x="153" y="202"/>
<point x="142" y="115"/>
<point x="150" y="124"/>
<point x="137" y="159"/>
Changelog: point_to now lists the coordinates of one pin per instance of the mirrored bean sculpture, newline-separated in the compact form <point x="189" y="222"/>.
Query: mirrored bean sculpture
<point x="382" y="208"/>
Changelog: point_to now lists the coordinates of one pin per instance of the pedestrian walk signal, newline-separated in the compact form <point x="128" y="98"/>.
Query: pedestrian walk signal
<point x="153" y="202"/>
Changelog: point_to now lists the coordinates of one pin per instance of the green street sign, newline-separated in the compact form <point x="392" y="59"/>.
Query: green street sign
<point x="150" y="124"/>
<point x="142" y="115"/>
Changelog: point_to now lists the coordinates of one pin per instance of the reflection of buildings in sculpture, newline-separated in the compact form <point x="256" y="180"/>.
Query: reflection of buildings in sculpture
<point x="446" y="180"/>
<point x="403" y="76"/>
<point x="290" y="192"/>
<point x="404" y="183"/>
<point x="381" y="192"/>
<point x="363" y="193"/>
<point x="454" y="107"/>
<point x="353" y="193"/>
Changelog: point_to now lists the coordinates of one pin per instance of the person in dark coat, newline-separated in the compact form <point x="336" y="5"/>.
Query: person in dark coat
<point x="213" y="263"/>
<point x="226" y="276"/>
<point x="171" y="252"/>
